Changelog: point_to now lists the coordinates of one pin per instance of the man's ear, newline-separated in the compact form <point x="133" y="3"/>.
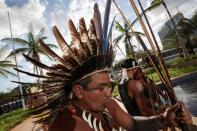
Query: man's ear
<point x="78" y="91"/>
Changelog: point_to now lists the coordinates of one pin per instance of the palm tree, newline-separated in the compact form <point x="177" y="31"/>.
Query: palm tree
<point x="124" y="35"/>
<point x="5" y="65"/>
<point x="30" y="46"/>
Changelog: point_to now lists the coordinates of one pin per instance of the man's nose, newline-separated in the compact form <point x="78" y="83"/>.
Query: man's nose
<point x="107" y="92"/>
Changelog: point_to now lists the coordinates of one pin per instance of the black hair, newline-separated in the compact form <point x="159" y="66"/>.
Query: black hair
<point x="128" y="63"/>
<point x="84" y="82"/>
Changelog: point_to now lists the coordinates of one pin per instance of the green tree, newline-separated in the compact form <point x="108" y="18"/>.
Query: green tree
<point x="5" y="65"/>
<point x="126" y="35"/>
<point x="193" y="37"/>
<point x="30" y="46"/>
<point x="194" y="17"/>
<point x="186" y="29"/>
<point x="126" y="38"/>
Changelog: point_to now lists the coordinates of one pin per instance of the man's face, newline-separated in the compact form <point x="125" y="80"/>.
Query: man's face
<point x="97" y="92"/>
<point x="131" y="72"/>
<point x="139" y="74"/>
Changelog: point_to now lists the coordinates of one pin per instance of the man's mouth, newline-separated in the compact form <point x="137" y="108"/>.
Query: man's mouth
<point x="106" y="100"/>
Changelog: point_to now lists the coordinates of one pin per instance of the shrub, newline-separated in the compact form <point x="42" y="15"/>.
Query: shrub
<point x="9" y="120"/>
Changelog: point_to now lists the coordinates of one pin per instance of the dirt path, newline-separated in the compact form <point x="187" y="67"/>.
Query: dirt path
<point x="27" y="125"/>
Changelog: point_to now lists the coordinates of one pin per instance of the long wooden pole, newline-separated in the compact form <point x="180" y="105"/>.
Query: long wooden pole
<point x="176" y="32"/>
<point x="20" y="87"/>
<point x="139" y="40"/>
<point x="153" y="36"/>
<point x="167" y="80"/>
<point x="170" y="88"/>
<point x="159" y="56"/>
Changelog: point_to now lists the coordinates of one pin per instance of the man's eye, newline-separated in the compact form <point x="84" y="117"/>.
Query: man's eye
<point x="101" y="88"/>
<point x="110" y="86"/>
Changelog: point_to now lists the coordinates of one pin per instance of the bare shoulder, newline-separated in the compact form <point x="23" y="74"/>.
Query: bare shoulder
<point x="64" y="121"/>
<point x="133" y="84"/>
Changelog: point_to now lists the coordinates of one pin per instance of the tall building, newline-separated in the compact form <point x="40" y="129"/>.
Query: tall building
<point x="168" y="26"/>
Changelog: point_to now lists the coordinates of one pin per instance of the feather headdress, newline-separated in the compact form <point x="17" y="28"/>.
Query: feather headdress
<point x="90" y="52"/>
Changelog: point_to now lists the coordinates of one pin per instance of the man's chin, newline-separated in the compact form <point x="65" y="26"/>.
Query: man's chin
<point x="101" y="109"/>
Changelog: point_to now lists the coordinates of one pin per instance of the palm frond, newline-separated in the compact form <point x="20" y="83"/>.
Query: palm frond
<point x="18" y="41"/>
<point x="4" y="48"/>
<point x="2" y="74"/>
<point x="136" y="32"/>
<point x="7" y="65"/>
<point x="17" y="51"/>
<point x="31" y="39"/>
<point x="43" y="38"/>
<point x="154" y="4"/>
<point x="141" y="14"/>
<point x="120" y="50"/>
<point x="5" y="62"/>
<point x="40" y="34"/>
<point x="118" y="38"/>
<point x="7" y="72"/>
<point x="189" y="22"/>
<point x="119" y="27"/>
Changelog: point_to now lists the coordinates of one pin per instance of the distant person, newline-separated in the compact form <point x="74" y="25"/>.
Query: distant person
<point x="156" y="93"/>
<point x="138" y="93"/>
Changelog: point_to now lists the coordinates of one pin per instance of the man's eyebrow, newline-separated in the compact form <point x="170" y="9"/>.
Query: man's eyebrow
<point x="103" y="84"/>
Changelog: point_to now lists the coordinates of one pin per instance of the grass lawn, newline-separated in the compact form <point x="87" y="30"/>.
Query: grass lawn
<point x="174" y="72"/>
<point x="177" y="67"/>
<point x="9" y="120"/>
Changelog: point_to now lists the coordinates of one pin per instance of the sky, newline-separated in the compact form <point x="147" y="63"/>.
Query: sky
<point x="46" y="13"/>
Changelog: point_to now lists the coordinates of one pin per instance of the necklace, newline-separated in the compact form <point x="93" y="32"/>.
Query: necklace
<point x="93" y="122"/>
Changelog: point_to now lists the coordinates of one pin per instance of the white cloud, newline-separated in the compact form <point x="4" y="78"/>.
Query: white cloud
<point x="158" y="16"/>
<point x="32" y="12"/>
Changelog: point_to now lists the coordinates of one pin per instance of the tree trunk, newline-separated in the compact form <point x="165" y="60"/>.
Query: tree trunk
<point x="125" y="20"/>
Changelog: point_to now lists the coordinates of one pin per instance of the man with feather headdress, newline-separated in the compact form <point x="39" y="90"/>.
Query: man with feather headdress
<point x="78" y="86"/>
